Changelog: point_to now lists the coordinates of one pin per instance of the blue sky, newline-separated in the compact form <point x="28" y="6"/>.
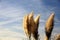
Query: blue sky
<point x="13" y="11"/>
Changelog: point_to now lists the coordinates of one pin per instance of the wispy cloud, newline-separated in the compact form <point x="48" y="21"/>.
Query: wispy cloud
<point x="6" y="34"/>
<point x="9" y="21"/>
<point x="10" y="14"/>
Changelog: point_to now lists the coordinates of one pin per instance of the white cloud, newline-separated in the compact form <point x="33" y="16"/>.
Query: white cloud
<point x="6" y="34"/>
<point x="57" y="20"/>
<point x="17" y="27"/>
<point x="9" y="21"/>
<point x="13" y="14"/>
<point x="9" y="38"/>
<point x="41" y="20"/>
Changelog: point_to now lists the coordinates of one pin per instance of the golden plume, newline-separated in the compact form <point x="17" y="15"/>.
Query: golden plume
<point x="49" y="26"/>
<point x="35" y="32"/>
<point x="26" y="26"/>
<point x="31" y="25"/>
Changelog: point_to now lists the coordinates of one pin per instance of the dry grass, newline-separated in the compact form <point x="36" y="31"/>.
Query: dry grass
<point x="57" y="37"/>
<point x="26" y="26"/>
<point x="31" y="25"/>
<point x="49" y="26"/>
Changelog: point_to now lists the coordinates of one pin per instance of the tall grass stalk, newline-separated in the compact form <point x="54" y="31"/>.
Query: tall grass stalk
<point x="35" y="33"/>
<point x="26" y="26"/>
<point x="49" y="26"/>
